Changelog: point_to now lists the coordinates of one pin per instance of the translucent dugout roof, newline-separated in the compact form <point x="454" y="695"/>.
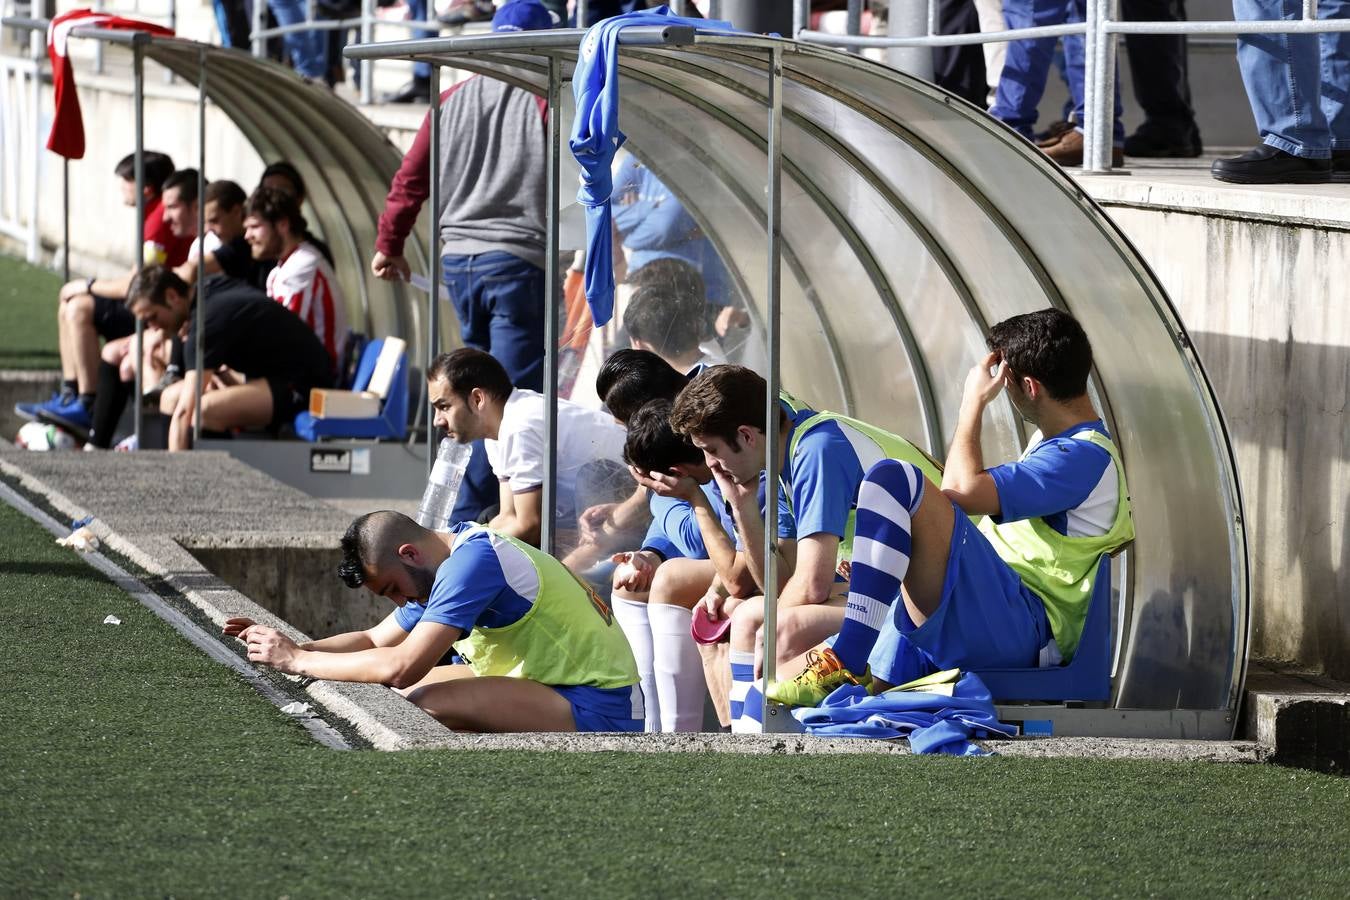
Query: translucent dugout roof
<point x="910" y="222"/>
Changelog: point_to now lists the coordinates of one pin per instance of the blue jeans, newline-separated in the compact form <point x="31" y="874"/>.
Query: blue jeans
<point x="417" y="11"/>
<point x="1297" y="90"/>
<point x="499" y="299"/>
<point x="1027" y="65"/>
<point x="308" y="50"/>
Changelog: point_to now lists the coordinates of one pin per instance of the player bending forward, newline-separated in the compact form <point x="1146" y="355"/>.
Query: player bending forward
<point x="541" y="651"/>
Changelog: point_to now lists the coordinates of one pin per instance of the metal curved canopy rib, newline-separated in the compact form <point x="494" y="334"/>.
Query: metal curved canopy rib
<point x="910" y="222"/>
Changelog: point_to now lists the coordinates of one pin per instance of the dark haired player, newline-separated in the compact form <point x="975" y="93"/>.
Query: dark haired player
<point x="1013" y="591"/>
<point x="542" y="651"/>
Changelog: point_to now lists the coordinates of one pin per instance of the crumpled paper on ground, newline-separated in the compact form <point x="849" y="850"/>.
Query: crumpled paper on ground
<point x="112" y="620"/>
<point x="298" y="709"/>
<point x="82" y="538"/>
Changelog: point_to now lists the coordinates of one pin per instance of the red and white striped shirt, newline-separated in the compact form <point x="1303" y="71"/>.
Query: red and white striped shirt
<point x="304" y="283"/>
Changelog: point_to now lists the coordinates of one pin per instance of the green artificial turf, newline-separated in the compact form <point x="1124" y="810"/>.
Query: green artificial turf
<point x="27" y="316"/>
<point x="131" y="765"/>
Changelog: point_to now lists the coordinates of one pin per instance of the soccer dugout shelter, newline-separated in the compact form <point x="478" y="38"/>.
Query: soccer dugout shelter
<point x="876" y="227"/>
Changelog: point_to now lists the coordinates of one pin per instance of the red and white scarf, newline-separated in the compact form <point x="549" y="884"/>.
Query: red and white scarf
<point x="67" y="135"/>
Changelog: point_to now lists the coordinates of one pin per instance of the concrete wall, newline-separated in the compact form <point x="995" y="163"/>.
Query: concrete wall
<point x="1266" y="305"/>
<point x="298" y="584"/>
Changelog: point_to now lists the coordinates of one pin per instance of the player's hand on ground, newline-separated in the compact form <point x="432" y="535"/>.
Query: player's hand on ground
<point x="666" y="484"/>
<point x="981" y="386"/>
<point x="390" y="268"/>
<point x="635" y="571"/>
<point x="270" y="647"/>
<point x="237" y="626"/>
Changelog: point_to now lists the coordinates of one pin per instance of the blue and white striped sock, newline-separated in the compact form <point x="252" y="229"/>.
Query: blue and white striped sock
<point x="887" y="499"/>
<point x="746" y="702"/>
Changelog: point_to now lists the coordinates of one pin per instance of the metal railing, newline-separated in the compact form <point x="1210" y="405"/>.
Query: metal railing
<point x="21" y="138"/>
<point x="1099" y="31"/>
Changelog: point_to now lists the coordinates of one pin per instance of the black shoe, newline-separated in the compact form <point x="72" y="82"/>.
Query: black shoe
<point x="416" y="91"/>
<point x="476" y="11"/>
<point x="1266" y="165"/>
<point x="1340" y="166"/>
<point x="1161" y="143"/>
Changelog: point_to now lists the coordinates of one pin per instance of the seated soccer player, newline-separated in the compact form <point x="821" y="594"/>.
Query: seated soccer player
<point x="303" y="281"/>
<point x="225" y="251"/>
<point x="285" y="177"/>
<point x="1014" y="591"/>
<point x="474" y="399"/>
<point x="245" y="334"/>
<point x="93" y="308"/>
<point x="822" y="460"/>
<point x="502" y="606"/>
<point x="688" y="551"/>
<point x="665" y="315"/>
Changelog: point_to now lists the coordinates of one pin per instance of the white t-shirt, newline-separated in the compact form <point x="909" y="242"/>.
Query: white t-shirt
<point x="212" y="243"/>
<point x="520" y="453"/>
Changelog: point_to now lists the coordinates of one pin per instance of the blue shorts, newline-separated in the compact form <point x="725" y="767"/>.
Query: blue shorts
<point x="605" y="709"/>
<point x="987" y="618"/>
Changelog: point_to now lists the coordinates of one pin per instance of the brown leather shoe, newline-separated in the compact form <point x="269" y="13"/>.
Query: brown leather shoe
<point x="1053" y="134"/>
<point x="1069" y="151"/>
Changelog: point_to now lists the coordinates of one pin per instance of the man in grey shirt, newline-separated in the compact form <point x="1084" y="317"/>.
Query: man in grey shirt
<point x="493" y="171"/>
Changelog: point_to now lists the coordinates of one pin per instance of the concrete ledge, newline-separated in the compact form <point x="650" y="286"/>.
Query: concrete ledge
<point x="1187" y="186"/>
<point x="1299" y="719"/>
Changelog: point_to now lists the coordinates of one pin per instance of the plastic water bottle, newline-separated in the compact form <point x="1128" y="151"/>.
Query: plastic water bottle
<point x="438" y="501"/>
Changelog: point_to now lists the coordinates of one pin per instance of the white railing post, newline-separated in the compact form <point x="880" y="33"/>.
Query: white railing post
<point x="801" y="16"/>
<point x="39" y="52"/>
<point x="1309" y="10"/>
<point x="910" y="18"/>
<point x="368" y="66"/>
<point x="259" y="21"/>
<point x="99" y="6"/>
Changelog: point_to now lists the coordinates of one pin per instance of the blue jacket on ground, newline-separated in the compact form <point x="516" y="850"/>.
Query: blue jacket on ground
<point x="596" y="136"/>
<point x="933" y="722"/>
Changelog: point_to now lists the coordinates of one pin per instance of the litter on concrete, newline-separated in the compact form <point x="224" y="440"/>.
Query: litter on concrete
<point x="81" y="539"/>
<point x="298" y="709"/>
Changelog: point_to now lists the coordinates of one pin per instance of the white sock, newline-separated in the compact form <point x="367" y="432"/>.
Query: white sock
<point x="746" y="703"/>
<point x="677" y="668"/>
<point x="632" y="619"/>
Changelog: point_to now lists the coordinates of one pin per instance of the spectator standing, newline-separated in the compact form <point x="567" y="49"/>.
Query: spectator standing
<point x="1296" y="84"/>
<point x="1162" y="88"/>
<point x="1026" y="68"/>
<point x="308" y="50"/>
<point x="302" y="281"/>
<point x="493" y="171"/>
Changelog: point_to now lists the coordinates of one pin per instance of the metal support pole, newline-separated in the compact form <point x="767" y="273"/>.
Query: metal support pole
<point x="910" y="18"/>
<point x="1099" y="103"/>
<point x="433" y="247"/>
<point x="1309" y="10"/>
<point x="38" y="50"/>
<point x="65" y="220"/>
<point x="368" y="66"/>
<point x="933" y="19"/>
<point x="552" y="294"/>
<point x="199" y="344"/>
<point x="714" y="9"/>
<point x="772" y="439"/>
<point x="138" y="101"/>
<point x="801" y="16"/>
<point x="173" y="26"/>
<point x="99" y="6"/>
<point x="259" y="21"/>
<point x="583" y="14"/>
<point x="854" y="21"/>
